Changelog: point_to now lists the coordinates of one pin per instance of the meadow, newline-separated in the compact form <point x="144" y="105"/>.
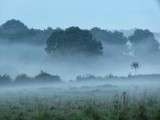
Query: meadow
<point x="82" y="101"/>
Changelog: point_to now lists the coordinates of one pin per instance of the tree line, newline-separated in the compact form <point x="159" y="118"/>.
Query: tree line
<point x="74" y="40"/>
<point x="42" y="77"/>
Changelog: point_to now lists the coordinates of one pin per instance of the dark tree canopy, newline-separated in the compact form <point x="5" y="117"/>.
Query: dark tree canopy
<point x="109" y="37"/>
<point x="141" y="35"/>
<point x="14" y="26"/>
<point x="144" y="40"/>
<point x="22" y="78"/>
<point x="44" y="76"/>
<point x="73" y="40"/>
<point x="135" y="65"/>
<point x="5" y="79"/>
<point x="14" y="31"/>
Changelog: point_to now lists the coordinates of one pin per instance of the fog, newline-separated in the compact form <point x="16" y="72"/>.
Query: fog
<point x="134" y="87"/>
<point x="22" y="58"/>
<point x="29" y="59"/>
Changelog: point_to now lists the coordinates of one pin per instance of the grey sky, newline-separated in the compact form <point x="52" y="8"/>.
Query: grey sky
<point x="108" y="14"/>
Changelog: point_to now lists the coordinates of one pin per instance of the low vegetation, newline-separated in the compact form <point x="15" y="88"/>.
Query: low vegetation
<point x="23" y="78"/>
<point x="120" y="107"/>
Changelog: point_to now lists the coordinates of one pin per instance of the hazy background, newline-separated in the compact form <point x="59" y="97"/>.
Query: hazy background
<point x="107" y="14"/>
<point x="17" y="59"/>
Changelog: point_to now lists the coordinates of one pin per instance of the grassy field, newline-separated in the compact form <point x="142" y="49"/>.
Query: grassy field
<point x="101" y="102"/>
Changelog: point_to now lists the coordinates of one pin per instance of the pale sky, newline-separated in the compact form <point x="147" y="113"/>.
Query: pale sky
<point x="107" y="14"/>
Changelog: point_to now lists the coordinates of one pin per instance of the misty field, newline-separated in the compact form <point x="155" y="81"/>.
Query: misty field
<point x="105" y="100"/>
<point x="79" y="60"/>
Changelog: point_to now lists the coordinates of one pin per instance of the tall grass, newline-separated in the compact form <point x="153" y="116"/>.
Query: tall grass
<point x="120" y="107"/>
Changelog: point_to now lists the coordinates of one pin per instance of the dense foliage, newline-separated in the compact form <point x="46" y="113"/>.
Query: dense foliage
<point x="73" y="40"/>
<point x="109" y="37"/>
<point x="144" y="41"/>
<point x="141" y="36"/>
<point x="5" y="79"/>
<point x="42" y="77"/>
<point x="14" y="31"/>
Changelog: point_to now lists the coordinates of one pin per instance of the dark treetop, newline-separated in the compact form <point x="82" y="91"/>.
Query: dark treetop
<point x="73" y="40"/>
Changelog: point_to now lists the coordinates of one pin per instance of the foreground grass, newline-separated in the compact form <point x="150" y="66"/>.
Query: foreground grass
<point x="120" y="107"/>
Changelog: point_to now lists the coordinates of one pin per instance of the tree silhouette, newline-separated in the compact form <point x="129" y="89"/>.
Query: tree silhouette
<point x="135" y="66"/>
<point x="73" y="40"/>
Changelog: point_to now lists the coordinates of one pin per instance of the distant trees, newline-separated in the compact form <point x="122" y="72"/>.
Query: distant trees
<point x="72" y="41"/>
<point x="141" y="36"/>
<point x="86" y="77"/>
<point x="5" y="79"/>
<point x="14" y="31"/>
<point x="14" y="26"/>
<point x="42" y="77"/>
<point x="22" y="78"/>
<point x="144" y="41"/>
<point x="90" y="77"/>
<point x="135" y="66"/>
<point x="109" y="37"/>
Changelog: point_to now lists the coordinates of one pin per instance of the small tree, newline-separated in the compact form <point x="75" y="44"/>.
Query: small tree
<point x="135" y="66"/>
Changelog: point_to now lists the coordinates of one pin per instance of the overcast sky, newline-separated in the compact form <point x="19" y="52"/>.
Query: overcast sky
<point x="108" y="14"/>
